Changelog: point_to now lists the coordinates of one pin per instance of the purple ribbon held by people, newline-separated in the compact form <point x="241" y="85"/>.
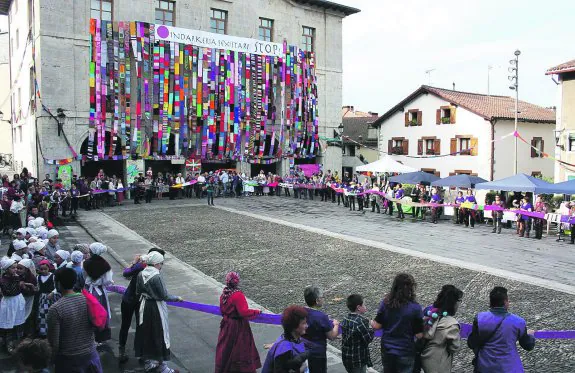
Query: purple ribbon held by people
<point x="274" y="319"/>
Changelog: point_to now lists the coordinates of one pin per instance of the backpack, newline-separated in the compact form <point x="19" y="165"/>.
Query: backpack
<point x="96" y="312"/>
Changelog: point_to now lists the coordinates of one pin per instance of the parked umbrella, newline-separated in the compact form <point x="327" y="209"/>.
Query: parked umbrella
<point x="459" y="181"/>
<point x="414" y="178"/>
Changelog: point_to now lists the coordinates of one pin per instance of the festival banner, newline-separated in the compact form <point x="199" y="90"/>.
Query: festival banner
<point x="133" y="168"/>
<point x="218" y="41"/>
<point x="65" y="174"/>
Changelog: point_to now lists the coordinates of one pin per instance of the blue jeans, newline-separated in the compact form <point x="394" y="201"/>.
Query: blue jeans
<point x="396" y="363"/>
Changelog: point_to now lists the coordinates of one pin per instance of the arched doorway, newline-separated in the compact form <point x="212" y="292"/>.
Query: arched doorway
<point x="91" y="168"/>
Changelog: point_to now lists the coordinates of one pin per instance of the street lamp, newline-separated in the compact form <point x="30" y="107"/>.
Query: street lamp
<point x="514" y="79"/>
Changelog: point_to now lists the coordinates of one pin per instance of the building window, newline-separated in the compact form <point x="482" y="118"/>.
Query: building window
<point x="101" y="9"/>
<point x="17" y="39"/>
<point x="537" y="147"/>
<point x="266" y="29"/>
<point x="446" y="116"/>
<point x="352" y="151"/>
<point x="398" y="146"/>
<point x="537" y="174"/>
<point x="572" y="142"/>
<point x="307" y="39"/>
<point x="464" y="146"/>
<point x="219" y="21"/>
<point x="413" y="117"/>
<point x="430" y="146"/>
<point x="32" y="90"/>
<point x="165" y="11"/>
<point x="30" y="13"/>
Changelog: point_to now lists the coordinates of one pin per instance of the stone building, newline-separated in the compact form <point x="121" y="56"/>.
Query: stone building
<point x="359" y="139"/>
<point x="5" y="125"/>
<point x="50" y="45"/>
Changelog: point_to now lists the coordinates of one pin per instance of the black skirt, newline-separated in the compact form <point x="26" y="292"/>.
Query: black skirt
<point x="149" y="342"/>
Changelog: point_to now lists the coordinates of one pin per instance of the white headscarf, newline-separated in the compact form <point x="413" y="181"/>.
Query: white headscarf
<point x="28" y="263"/>
<point x="53" y="233"/>
<point x="6" y="263"/>
<point x="36" y="246"/>
<point x="21" y="231"/>
<point x="15" y="257"/>
<point x="150" y="271"/>
<point x="19" y="244"/>
<point x="77" y="256"/>
<point x="39" y="222"/>
<point x="31" y="231"/>
<point x="42" y="232"/>
<point x="98" y="249"/>
<point x="63" y="254"/>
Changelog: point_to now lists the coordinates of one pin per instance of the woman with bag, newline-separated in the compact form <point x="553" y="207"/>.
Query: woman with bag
<point x="98" y="275"/>
<point x="236" y="350"/>
<point x="441" y="339"/>
<point x="152" y="342"/>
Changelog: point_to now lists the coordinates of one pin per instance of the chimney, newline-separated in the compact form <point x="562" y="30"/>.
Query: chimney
<point x="454" y="86"/>
<point x="373" y="115"/>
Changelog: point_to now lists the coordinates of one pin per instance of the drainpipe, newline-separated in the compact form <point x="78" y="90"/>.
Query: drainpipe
<point x="492" y="169"/>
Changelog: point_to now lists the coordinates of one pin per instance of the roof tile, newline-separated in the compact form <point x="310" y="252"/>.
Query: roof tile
<point x="563" y="68"/>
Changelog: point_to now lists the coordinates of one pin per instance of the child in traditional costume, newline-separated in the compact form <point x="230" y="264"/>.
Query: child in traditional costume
<point x="27" y="272"/>
<point x="12" y="304"/>
<point x="46" y="286"/>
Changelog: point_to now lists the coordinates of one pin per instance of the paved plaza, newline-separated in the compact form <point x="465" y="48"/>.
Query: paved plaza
<point x="280" y="245"/>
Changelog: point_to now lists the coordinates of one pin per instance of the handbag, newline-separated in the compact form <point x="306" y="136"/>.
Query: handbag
<point x="96" y="312"/>
<point x="483" y="342"/>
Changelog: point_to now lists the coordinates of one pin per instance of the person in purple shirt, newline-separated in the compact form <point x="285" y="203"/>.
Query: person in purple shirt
<point x="469" y="214"/>
<point x="399" y="193"/>
<point x="458" y="211"/>
<point x="435" y="198"/>
<point x="130" y="303"/>
<point x="401" y="320"/>
<point x="319" y="329"/>
<point x="495" y="334"/>
<point x="524" y="220"/>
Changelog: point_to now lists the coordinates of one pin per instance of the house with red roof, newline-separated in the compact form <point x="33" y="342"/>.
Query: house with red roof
<point x="564" y="76"/>
<point x="449" y="132"/>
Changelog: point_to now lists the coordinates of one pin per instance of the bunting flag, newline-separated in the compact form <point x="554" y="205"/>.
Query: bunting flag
<point x="154" y="98"/>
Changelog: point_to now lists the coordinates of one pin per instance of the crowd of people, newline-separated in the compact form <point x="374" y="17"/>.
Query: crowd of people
<point x="413" y="338"/>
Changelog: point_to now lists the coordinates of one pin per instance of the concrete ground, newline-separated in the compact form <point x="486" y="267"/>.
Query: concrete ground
<point x="281" y="245"/>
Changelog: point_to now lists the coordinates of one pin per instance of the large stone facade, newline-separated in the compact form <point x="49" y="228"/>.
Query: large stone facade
<point x="61" y="37"/>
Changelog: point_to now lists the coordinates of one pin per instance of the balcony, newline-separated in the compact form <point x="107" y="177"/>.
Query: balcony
<point x="397" y="150"/>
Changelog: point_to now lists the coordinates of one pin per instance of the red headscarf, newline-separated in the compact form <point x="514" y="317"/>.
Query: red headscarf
<point x="232" y="282"/>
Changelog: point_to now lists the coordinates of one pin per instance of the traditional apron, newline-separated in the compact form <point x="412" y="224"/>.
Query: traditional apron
<point x="163" y="310"/>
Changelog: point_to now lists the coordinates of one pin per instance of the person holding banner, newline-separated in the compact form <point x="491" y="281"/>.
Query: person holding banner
<point x="524" y="220"/>
<point x="149" y="187"/>
<point x="458" y="211"/>
<point x="497" y="214"/>
<point x="538" y="223"/>
<point x="399" y="193"/>
<point x="435" y="198"/>
<point x="469" y="213"/>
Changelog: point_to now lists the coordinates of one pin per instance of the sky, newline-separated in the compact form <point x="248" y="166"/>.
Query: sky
<point x="390" y="44"/>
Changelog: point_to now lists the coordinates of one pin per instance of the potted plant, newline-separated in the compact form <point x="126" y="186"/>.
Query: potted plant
<point x="413" y="122"/>
<point x="446" y="120"/>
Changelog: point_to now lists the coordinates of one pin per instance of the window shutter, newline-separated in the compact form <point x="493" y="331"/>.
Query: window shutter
<point x="533" y="148"/>
<point x="419" y="118"/>
<point x="473" y="174"/>
<point x="437" y="147"/>
<point x="419" y="147"/>
<point x="453" y="146"/>
<point x="389" y="146"/>
<point x="452" y="116"/>
<point x="452" y="174"/>
<point x="405" y="145"/>
<point x="407" y="118"/>
<point x="541" y="150"/>
<point x="474" y="146"/>
<point x="438" y="116"/>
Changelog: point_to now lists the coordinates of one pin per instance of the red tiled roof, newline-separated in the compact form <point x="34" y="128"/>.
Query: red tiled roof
<point x="563" y="68"/>
<point x="489" y="107"/>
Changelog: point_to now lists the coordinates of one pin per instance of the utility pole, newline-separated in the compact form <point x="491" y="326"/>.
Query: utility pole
<point x="514" y="78"/>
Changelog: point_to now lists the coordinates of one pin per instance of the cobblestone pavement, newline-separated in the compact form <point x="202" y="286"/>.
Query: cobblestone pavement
<point x="277" y="261"/>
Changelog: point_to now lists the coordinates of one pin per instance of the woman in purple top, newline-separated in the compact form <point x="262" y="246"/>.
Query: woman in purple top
<point x="469" y="214"/>
<point x="401" y="319"/>
<point x="320" y="328"/>
<point x="399" y="193"/>
<point x="435" y="198"/>
<point x="288" y="352"/>
<point x="459" y="212"/>
<point x="524" y="220"/>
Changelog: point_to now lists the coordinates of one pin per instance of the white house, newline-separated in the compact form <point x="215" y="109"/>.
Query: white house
<point x="448" y="132"/>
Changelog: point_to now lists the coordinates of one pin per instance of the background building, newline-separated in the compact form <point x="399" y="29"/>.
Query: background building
<point x="5" y="125"/>
<point x="565" y="129"/>
<point x="447" y="132"/>
<point x="359" y="138"/>
<point x="50" y="40"/>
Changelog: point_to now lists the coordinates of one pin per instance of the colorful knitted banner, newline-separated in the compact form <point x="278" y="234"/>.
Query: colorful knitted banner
<point x="154" y="97"/>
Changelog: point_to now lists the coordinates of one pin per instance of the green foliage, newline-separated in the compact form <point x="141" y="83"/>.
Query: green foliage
<point x="490" y="197"/>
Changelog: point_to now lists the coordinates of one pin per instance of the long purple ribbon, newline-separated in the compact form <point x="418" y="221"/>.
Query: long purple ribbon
<point x="274" y="319"/>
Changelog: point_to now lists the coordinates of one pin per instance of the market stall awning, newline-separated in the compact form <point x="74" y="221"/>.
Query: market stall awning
<point x="566" y="187"/>
<point x="459" y="181"/>
<point x="385" y="164"/>
<point x="414" y="178"/>
<point x="519" y="183"/>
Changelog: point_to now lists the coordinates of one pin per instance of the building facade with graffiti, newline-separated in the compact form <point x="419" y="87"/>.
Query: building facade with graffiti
<point x="229" y="84"/>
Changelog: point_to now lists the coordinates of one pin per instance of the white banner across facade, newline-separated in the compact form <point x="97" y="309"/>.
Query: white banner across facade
<point x="218" y="41"/>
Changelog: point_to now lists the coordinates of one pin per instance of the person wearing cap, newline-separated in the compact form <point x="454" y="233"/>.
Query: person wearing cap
<point x="152" y="342"/>
<point x="61" y="258"/>
<point x="52" y="246"/>
<point x="12" y="304"/>
<point x="98" y="273"/>
<point x="15" y="247"/>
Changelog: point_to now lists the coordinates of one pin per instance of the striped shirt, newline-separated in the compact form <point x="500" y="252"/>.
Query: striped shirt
<point x="70" y="331"/>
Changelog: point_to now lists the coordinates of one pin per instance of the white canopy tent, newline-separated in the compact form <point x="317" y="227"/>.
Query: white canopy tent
<point x="385" y="164"/>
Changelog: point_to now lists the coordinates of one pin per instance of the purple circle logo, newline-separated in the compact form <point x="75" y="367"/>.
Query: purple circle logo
<point x="163" y="32"/>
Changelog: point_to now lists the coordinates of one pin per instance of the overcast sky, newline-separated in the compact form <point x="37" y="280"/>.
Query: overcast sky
<point x="389" y="45"/>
